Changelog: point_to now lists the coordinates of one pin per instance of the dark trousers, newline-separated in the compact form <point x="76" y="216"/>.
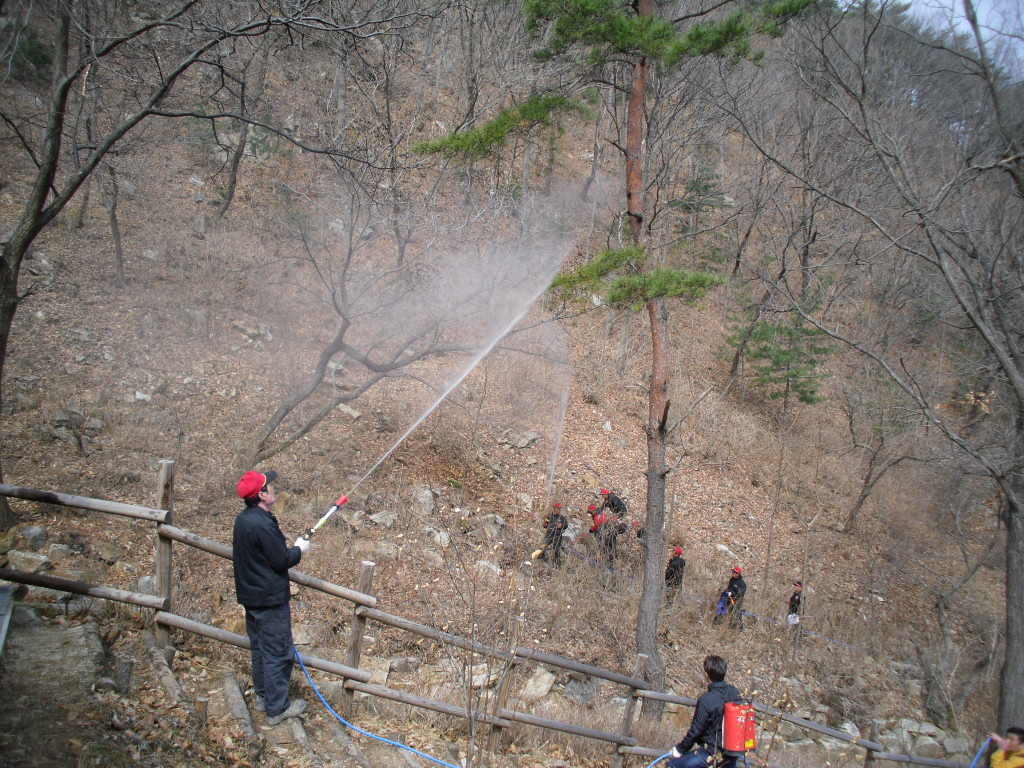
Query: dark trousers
<point x="270" y="638"/>
<point x="701" y="758"/>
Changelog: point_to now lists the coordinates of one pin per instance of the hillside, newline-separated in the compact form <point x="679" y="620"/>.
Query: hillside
<point x="142" y="384"/>
<point x="222" y="320"/>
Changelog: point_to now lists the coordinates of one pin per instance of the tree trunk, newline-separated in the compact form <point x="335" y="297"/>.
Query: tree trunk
<point x="654" y="528"/>
<point x="33" y="217"/>
<point x="110" y="203"/>
<point x="1011" y="703"/>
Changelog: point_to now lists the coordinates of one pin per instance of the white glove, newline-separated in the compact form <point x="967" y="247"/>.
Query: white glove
<point x="303" y="544"/>
<point x="675" y="753"/>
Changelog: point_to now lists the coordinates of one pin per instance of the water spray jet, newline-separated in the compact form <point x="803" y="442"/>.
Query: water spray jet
<point x="486" y="350"/>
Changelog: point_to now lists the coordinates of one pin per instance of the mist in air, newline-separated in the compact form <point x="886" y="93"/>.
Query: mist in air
<point x="457" y="330"/>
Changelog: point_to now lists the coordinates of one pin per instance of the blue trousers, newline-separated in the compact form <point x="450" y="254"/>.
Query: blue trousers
<point x="270" y="639"/>
<point x="700" y="758"/>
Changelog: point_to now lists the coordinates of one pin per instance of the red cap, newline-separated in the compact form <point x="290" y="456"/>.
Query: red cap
<point x="558" y="505"/>
<point x="605" y="491"/>
<point x="592" y="508"/>
<point x="738" y="570"/>
<point x="253" y="482"/>
<point x="679" y="550"/>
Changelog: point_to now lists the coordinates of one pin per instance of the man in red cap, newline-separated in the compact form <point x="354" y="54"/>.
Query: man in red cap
<point x="262" y="558"/>
<point x="795" y="601"/>
<point x="674" y="574"/>
<point x="554" y="526"/>
<point x="615" y="506"/>
<point x="603" y="529"/>
<point x="737" y="590"/>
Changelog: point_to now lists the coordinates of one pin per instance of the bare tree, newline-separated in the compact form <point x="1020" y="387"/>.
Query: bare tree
<point x="931" y="119"/>
<point x="145" y="63"/>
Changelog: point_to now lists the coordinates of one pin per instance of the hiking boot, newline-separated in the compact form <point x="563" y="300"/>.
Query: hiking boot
<point x="296" y="708"/>
<point x="259" y="704"/>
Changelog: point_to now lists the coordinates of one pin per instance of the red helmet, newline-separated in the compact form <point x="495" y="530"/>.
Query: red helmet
<point x="592" y="508"/>
<point x="679" y="550"/>
<point x="558" y="505"/>
<point x="605" y="491"/>
<point x="738" y="570"/>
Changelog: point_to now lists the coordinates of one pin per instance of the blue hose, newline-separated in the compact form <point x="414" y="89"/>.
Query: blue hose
<point x="981" y="751"/>
<point x="366" y="733"/>
<point x="667" y="754"/>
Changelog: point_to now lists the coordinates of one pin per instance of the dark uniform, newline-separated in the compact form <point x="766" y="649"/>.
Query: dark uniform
<point x="674" y="574"/>
<point x="554" y="526"/>
<point x="737" y="588"/>
<point x="795" y="604"/>
<point x="261" y="558"/>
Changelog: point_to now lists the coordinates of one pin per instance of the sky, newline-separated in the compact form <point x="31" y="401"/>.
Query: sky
<point x="1002" y="22"/>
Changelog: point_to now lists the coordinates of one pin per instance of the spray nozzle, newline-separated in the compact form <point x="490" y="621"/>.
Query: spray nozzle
<point x="341" y="500"/>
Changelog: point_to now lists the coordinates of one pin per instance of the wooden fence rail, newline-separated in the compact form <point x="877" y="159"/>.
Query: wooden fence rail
<point x="364" y="609"/>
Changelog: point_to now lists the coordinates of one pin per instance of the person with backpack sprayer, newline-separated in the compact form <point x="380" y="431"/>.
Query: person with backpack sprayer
<point x="712" y="737"/>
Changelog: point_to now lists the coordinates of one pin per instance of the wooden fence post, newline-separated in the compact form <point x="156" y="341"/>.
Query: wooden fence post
<point x="639" y="670"/>
<point x="164" y="577"/>
<point x="355" y="637"/>
<point x="869" y="757"/>
<point x="494" y="737"/>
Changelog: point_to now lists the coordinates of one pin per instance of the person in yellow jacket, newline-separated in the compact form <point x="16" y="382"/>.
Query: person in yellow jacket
<point x="1011" y="749"/>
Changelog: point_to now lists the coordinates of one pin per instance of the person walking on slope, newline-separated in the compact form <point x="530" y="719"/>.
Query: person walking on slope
<point x="615" y="506"/>
<point x="261" y="558"/>
<point x="705" y="734"/>
<point x="730" y="604"/>
<point x="554" y="526"/>
<point x="1010" y="752"/>
<point x="603" y="529"/>
<point x="795" y="601"/>
<point x="674" y="574"/>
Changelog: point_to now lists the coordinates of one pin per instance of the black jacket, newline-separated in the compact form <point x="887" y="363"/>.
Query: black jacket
<point x="794" y="603"/>
<point x="674" y="572"/>
<point x="262" y="558"/>
<point x="706" y="726"/>
<point x="738" y="587"/>
<point x="615" y="505"/>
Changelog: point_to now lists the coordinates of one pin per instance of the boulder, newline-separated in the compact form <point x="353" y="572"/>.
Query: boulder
<point x="423" y="500"/>
<point x="487" y="528"/>
<point x="111" y="553"/>
<point x="850" y="728"/>
<point x="8" y="540"/>
<point x="35" y="535"/>
<point x="30" y="562"/>
<point x="488" y="570"/>
<point x="805" y="752"/>
<point x="306" y="634"/>
<point x="956" y="745"/>
<point x="405" y="664"/>
<point x="580" y="690"/>
<point x="386" y="519"/>
<point x="538" y="686"/>
<point x="927" y="746"/>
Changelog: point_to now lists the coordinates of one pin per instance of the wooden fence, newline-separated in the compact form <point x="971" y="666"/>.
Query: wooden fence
<point x="364" y="610"/>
